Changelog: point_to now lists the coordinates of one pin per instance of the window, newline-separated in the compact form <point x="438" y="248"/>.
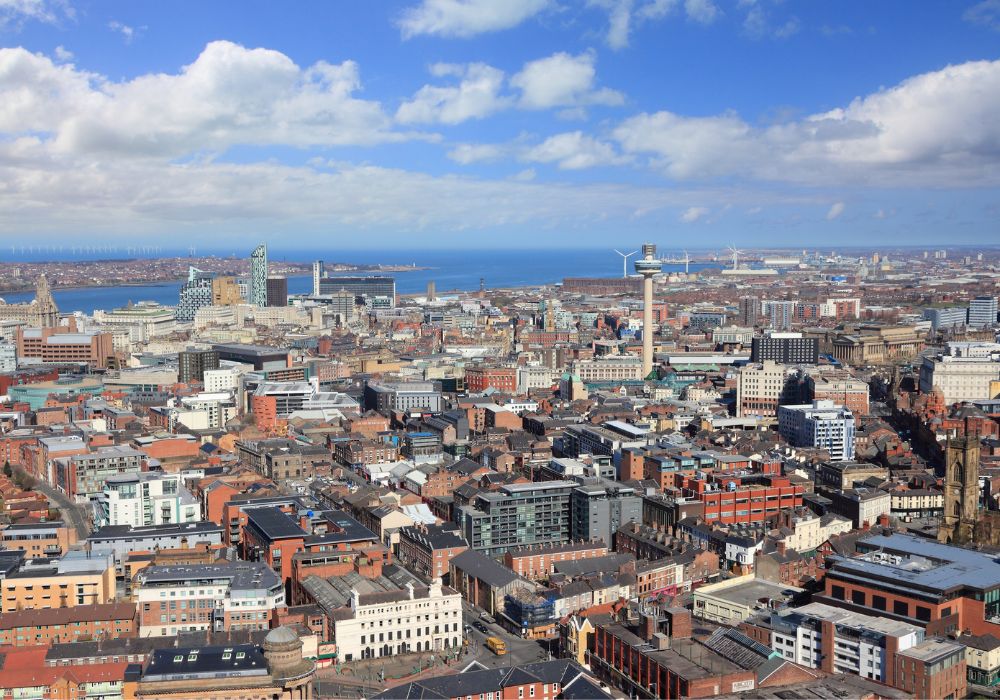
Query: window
<point x="923" y="613"/>
<point x="858" y="597"/>
<point x="879" y="602"/>
<point x="837" y="592"/>
<point x="900" y="607"/>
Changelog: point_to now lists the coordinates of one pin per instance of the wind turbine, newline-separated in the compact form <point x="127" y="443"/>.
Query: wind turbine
<point x="625" y="257"/>
<point x="736" y="257"/>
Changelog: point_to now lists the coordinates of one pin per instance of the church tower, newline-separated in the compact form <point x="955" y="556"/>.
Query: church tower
<point x="48" y="312"/>
<point x="961" y="490"/>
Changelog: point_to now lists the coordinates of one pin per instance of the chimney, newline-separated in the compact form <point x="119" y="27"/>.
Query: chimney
<point x="648" y="626"/>
<point x="866" y="526"/>
<point x="782" y="547"/>
<point x="883" y="520"/>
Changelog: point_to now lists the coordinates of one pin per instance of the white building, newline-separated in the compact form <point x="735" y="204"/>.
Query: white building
<point x="146" y="498"/>
<point x="982" y="312"/>
<point x="855" y="643"/>
<point x="535" y="377"/>
<point x="8" y="357"/>
<point x="732" y="335"/>
<point x="612" y="368"/>
<point x="821" y="424"/>
<point x="399" y="622"/>
<point x="809" y="530"/>
<point x="759" y="389"/>
<point x="219" y="407"/>
<point x="139" y="322"/>
<point x="963" y="372"/>
<point x="224" y="378"/>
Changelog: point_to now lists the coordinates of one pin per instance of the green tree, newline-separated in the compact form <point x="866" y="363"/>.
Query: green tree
<point x="7" y="470"/>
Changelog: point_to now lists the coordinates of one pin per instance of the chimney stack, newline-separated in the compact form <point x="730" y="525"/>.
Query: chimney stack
<point x="782" y="547"/>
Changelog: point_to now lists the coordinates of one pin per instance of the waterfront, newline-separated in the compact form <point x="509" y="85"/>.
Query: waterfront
<point x="449" y="270"/>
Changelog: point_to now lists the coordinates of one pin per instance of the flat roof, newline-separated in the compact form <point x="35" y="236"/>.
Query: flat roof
<point x="750" y="592"/>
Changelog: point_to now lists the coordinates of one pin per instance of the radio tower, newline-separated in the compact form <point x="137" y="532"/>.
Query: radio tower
<point x="647" y="266"/>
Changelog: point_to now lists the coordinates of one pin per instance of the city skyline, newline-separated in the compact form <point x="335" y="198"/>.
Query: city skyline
<point x="443" y="123"/>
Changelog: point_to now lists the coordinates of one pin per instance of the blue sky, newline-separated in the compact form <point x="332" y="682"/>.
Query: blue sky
<point x="482" y="123"/>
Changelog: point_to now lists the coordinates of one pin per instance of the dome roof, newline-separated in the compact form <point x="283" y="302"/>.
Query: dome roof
<point x="281" y="635"/>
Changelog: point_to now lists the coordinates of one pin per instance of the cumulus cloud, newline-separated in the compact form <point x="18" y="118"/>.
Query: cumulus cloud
<point x="63" y="54"/>
<point x="562" y="80"/>
<point x="932" y="129"/>
<point x="626" y="15"/>
<point x="572" y="151"/>
<point x="836" y="209"/>
<point x="692" y="214"/>
<point x="476" y="96"/>
<point x="229" y="95"/>
<point x="468" y="153"/>
<point x="702" y="11"/>
<point x="756" y="25"/>
<point x="128" y="33"/>
<point x="467" y="18"/>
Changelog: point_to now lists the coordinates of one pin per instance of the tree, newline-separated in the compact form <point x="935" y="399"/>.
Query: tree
<point x="7" y="470"/>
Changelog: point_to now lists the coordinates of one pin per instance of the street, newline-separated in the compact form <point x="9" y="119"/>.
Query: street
<point x="519" y="650"/>
<point x="72" y="514"/>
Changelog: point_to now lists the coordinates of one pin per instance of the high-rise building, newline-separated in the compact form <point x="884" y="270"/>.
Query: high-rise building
<point x="780" y="314"/>
<point x="258" y="276"/>
<point x="648" y="266"/>
<point x="226" y="292"/>
<point x="192" y="364"/>
<point x="277" y="290"/>
<point x="947" y="317"/>
<point x="194" y="294"/>
<point x="598" y="510"/>
<point x="749" y="311"/>
<point x="317" y="276"/>
<point x="787" y="348"/>
<point x="822" y="425"/>
<point x="375" y="290"/>
<point x="982" y="312"/>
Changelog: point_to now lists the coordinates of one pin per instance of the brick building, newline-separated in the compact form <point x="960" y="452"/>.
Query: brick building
<point x="538" y="561"/>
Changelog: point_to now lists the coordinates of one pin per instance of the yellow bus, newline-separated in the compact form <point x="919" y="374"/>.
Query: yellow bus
<point x="496" y="645"/>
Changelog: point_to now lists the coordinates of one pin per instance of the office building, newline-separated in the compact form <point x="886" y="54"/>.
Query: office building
<point x="841" y="388"/>
<point x="195" y="293"/>
<point x="8" y="357"/>
<point x="45" y="539"/>
<point x="257" y="292"/>
<point x="402" y="396"/>
<point x="517" y="515"/>
<point x="192" y="364"/>
<point x="141" y="322"/>
<point x="277" y="290"/>
<point x="732" y="335"/>
<point x="935" y="668"/>
<point x="376" y="291"/>
<point x="749" y="311"/>
<point x="786" y="348"/>
<point x="963" y="372"/>
<point x="983" y="312"/>
<point x="761" y="388"/>
<point x="120" y="540"/>
<point x="610" y="368"/>
<point x="916" y="580"/>
<point x="146" y="498"/>
<point x="41" y="312"/>
<point x="412" y="619"/>
<point x="822" y="425"/>
<point x="598" y="510"/>
<point x="260" y="357"/>
<point x="839" y="641"/>
<point x="238" y="595"/>
<point x="946" y="317"/>
<point x="56" y="346"/>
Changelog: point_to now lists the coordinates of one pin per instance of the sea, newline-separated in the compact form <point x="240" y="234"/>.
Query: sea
<point x="450" y="270"/>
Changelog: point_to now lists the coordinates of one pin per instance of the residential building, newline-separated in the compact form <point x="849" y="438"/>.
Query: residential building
<point x="761" y="388"/>
<point x="935" y="668"/>
<point x="516" y="515"/>
<point x="44" y="626"/>
<point x="821" y="424"/>
<point x="195" y="293"/>
<point x="982" y="658"/>
<point x="82" y="476"/>
<point x="122" y="539"/>
<point x="839" y="641"/>
<point x="47" y="539"/>
<point x="597" y="510"/>
<point x="145" y="498"/>
<point x="258" y="276"/>
<point x="427" y="550"/>
<point x="192" y="364"/>
<point x="277" y="290"/>
<point x="77" y="578"/>
<point x="214" y="597"/>
<point x="538" y="561"/>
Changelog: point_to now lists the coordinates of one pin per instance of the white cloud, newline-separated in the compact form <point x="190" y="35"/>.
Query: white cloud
<point x="15" y="12"/>
<point x="986" y="13"/>
<point x="468" y="153"/>
<point x="475" y="97"/>
<point x="562" y="80"/>
<point x="757" y="26"/>
<point x="467" y="18"/>
<point x="63" y="54"/>
<point x="128" y="33"/>
<point x="692" y="214"/>
<point x="573" y="151"/>
<point x="835" y="211"/>
<point x="702" y="11"/>
<point x="932" y="129"/>
<point x="229" y="95"/>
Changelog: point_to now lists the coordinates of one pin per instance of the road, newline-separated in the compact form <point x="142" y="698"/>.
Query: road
<point x="72" y="513"/>
<point x="519" y="650"/>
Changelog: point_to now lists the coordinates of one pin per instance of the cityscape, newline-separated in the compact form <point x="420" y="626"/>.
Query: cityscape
<point x="499" y="350"/>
